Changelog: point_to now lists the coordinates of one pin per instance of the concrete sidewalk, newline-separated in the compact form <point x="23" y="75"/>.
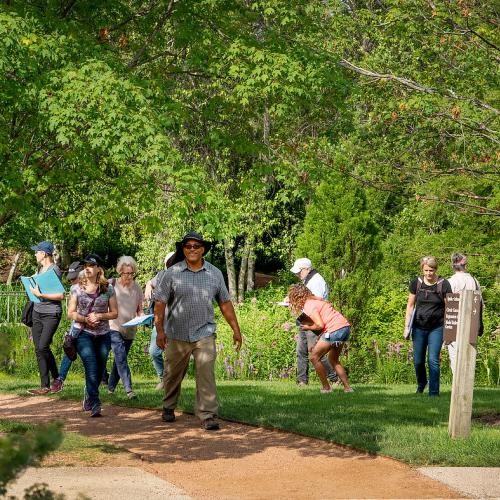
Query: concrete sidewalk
<point x="99" y="483"/>
<point x="475" y="482"/>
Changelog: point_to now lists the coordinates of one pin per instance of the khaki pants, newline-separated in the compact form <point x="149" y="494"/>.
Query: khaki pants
<point x="177" y="354"/>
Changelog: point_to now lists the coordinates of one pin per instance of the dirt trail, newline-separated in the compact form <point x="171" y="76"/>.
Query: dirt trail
<point x="239" y="461"/>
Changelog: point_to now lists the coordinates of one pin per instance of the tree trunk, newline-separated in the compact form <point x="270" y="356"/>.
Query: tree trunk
<point x="231" y="271"/>
<point x="13" y="268"/>
<point x="251" y="268"/>
<point x="243" y="271"/>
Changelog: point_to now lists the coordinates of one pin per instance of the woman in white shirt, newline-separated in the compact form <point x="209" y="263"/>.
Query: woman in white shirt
<point x="130" y="304"/>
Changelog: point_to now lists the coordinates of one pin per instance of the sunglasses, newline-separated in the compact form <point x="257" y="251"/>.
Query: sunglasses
<point x="192" y="247"/>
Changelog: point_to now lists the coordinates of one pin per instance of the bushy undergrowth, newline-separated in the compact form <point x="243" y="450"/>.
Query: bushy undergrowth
<point x="377" y="352"/>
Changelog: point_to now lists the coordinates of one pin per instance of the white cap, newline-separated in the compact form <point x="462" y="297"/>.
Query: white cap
<point x="299" y="264"/>
<point x="169" y="254"/>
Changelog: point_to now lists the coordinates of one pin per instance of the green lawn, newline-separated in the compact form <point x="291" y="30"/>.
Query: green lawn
<point x="389" y="420"/>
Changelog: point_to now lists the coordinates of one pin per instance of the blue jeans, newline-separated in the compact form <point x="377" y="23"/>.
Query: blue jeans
<point x="93" y="351"/>
<point x="120" y="370"/>
<point x="64" y="368"/>
<point x="430" y="340"/>
<point x="156" y="354"/>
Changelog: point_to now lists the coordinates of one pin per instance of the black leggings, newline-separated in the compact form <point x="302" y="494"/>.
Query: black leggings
<point x="44" y="328"/>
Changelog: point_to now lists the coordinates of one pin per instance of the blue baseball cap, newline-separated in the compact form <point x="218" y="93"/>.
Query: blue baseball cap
<point x="44" y="246"/>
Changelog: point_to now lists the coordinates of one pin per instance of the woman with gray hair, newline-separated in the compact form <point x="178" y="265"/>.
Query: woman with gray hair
<point x="459" y="282"/>
<point x="130" y="304"/>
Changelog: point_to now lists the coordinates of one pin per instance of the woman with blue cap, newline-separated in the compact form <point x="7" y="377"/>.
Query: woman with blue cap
<point x="46" y="318"/>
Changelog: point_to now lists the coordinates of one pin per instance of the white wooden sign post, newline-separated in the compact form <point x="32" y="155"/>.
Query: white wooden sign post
<point x="466" y="322"/>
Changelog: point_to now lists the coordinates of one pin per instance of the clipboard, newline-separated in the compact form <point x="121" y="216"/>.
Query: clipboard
<point x="47" y="282"/>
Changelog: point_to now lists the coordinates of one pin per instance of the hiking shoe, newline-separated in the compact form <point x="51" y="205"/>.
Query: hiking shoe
<point x="39" y="391"/>
<point x="131" y="395"/>
<point x="57" y="385"/>
<point x="168" y="415"/>
<point x="96" y="411"/>
<point x="210" y="424"/>
<point x="159" y="386"/>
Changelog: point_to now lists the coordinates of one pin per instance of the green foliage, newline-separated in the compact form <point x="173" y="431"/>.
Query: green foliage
<point x="342" y="240"/>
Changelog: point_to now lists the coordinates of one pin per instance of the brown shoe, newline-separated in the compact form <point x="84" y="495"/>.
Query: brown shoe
<point x="210" y="424"/>
<point x="57" y="385"/>
<point x="39" y="391"/>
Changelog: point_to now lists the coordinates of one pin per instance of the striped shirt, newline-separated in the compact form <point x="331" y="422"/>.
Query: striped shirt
<point x="189" y="296"/>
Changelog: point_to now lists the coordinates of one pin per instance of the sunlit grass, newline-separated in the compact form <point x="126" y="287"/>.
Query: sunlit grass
<point x="387" y="419"/>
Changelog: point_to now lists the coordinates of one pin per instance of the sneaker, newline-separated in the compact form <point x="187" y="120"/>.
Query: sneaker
<point x="39" y="391"/>
<point x="96" y="411"/>
<point x="111" y="391"/>
<point x="159" y="386"/>
<point x="168" y="415"/>
<point x="350" y="389"/>
<point x="301" y="384"/>
<point x="57" y="385"/>
<point x="131" y="395"/>
<point x="325" y="391"/>
<point x="210" y="424"/>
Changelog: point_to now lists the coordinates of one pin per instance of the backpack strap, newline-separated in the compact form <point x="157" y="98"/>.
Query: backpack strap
<point x="312" y="272"/>
<point x="439" y="288"/>
<point x="420" y="281"/>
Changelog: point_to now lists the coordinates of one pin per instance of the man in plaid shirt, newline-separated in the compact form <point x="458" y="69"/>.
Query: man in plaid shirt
<point x="186" y="291"/>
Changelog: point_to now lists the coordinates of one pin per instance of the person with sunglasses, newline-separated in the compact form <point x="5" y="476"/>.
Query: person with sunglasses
<point x="130" y="300"/>
<point x="188" y="290"/>
<point x="91" y="305"/>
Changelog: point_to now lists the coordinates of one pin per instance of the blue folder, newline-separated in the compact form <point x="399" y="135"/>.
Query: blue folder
<point x="47" y="282"/>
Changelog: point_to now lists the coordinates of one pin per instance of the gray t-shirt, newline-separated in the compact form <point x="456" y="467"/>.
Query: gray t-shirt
<point x="49" y="306"/>
<point x="189" y="296"/>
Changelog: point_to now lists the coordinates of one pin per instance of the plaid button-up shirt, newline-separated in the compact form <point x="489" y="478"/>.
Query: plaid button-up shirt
<point x="189" y="296"/>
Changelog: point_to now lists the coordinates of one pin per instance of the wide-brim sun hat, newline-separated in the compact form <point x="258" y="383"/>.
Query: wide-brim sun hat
<point x="179" y="253"/>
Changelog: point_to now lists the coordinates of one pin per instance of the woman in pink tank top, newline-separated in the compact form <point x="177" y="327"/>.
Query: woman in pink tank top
<point x="332" y="327"/>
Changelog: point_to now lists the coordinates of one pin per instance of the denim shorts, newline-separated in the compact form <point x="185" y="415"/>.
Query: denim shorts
<point x="338" y="336"/>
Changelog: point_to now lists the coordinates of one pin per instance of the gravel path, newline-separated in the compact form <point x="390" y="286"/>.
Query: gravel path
<point x="239" y="461"/>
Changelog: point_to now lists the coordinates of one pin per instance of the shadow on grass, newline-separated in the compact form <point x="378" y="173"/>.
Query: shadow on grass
<point x="363" y="419"/>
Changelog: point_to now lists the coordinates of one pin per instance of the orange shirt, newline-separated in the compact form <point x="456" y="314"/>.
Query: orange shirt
<point x="331" y="318"/>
